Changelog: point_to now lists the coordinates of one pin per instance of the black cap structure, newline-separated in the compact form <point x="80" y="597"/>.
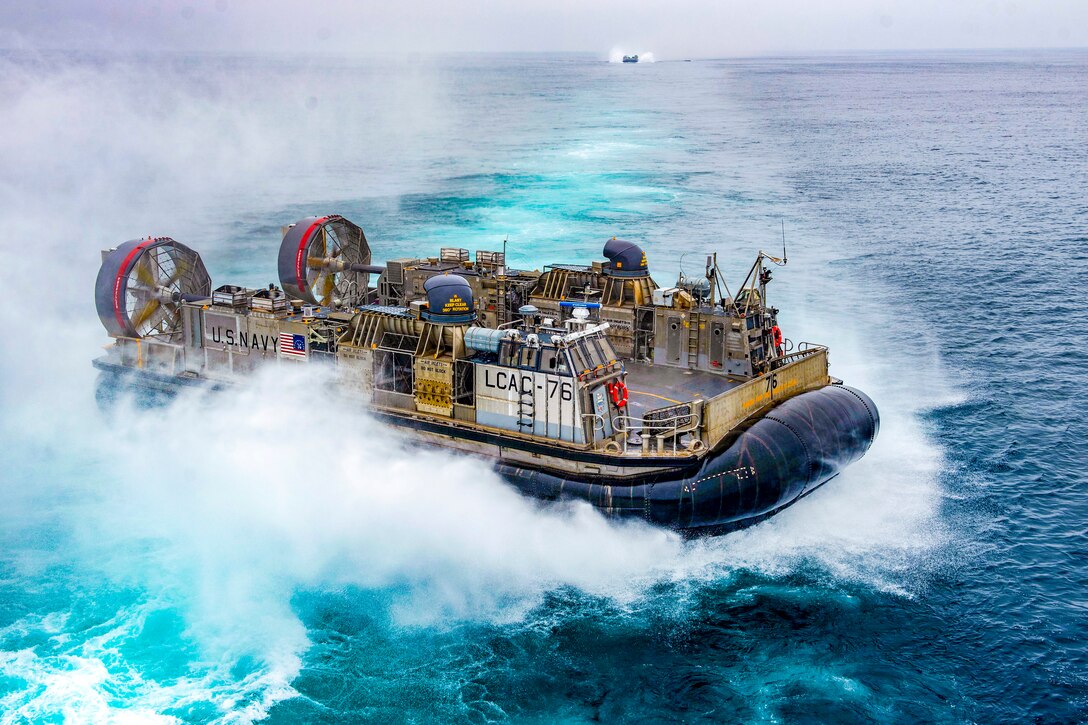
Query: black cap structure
<point x="626" y="259"/>
<point x="449" y="300"/>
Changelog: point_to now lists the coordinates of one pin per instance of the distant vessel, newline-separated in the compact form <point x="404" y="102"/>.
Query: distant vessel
<point x="683" y="406"/>
<point x="630" y="58"/>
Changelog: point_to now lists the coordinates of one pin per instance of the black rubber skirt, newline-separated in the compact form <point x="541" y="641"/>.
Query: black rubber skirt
<point x="796" y="447"/>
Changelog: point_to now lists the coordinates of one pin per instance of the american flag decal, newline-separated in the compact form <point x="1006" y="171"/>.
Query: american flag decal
<point x="292" y="344"/>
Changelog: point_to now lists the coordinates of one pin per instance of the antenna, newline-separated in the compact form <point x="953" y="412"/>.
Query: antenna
<point x="784" y="258"/>
<point x="710" y="265"/>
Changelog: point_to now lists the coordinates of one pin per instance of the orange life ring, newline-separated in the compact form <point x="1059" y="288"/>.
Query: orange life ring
<point x="618" y="391"/>
<point x="777" y="333"/>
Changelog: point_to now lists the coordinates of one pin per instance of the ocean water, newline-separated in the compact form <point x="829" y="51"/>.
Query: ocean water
<point x="271" y="555"/>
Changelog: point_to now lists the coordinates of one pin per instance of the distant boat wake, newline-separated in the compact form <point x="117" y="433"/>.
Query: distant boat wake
<point x="617" y="55"/>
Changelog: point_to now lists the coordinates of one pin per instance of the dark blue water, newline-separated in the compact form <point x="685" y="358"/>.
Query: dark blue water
<point x="271" y="554"/>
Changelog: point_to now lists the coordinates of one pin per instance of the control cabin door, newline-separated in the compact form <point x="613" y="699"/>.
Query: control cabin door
<point x="673" y="332"/>
<point x="717" y="345"/>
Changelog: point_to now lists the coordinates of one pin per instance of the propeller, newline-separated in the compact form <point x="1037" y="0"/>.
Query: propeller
<point x="162" y="297"/>
<point x="327" y="266"/>
<point x="181" y="268"/>
<point x="152" y="286"/>
<point x="153" y="305"/>
<point x="331" y="251"/>
<point x="328" y="286"/>
<point x="145" y="274"/>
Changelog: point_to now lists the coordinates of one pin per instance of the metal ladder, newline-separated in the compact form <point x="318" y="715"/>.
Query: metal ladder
<point x="500" y="302"/>
<point x="693" y="339"/>
<point x="526" y="410"/>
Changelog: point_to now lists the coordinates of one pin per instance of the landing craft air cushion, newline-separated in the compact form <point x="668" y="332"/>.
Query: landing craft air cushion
<point x="683" y="406"/>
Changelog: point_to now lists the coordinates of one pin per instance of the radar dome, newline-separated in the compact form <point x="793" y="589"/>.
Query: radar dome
<point x="626" y="259"/>
<point x="449" y="299"/>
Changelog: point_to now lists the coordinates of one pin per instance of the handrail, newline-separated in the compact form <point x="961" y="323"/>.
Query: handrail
<point x="661" y="428"/>
<point x="596" y="417"/>
<point x="693" y="417"/>
<point x="798" y="373"/>
<point x="809" y="349"/>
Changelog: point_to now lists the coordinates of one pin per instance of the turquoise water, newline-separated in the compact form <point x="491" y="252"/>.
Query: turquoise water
<point x="271" y="554"/>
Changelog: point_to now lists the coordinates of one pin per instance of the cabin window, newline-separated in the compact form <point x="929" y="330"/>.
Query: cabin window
<point x="578" y="360"/>
<point x="564" y="366"/>
<point x="590" y="352"/>
<point x="585" y="352"/>
<point x="594" y="352"/>
<point x="529" y="357"/>
<point x="508" y="353"/>
<point x="554" y="361"/>
<point x="549" y="361"/>
<point x="604" y="348"/>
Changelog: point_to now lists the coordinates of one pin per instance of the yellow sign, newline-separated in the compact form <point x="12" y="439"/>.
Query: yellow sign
<point x="455" y="304"/>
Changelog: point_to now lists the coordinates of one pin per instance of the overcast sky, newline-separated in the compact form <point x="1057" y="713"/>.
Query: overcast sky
<point x="677" y="29"/>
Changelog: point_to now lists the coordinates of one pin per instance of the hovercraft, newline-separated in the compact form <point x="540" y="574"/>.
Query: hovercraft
<point x="684" y="406"/>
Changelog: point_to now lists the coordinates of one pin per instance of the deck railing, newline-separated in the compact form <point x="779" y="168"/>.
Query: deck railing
<point x="706" y="422"/>
<point x="660" y="436"/>
<point x="803" y="370"/>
